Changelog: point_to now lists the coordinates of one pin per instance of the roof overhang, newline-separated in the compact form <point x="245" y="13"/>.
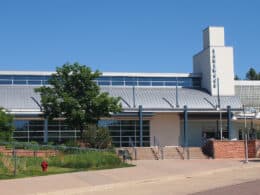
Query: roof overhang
<point x="180" y="110"/>
<point x="24" y="112"/>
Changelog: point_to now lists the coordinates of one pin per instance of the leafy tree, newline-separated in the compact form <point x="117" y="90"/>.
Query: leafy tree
<point x="251" y="74"/>
<point x="237" y="77"/>
<point x="6" y="126"/>
<point x="74" y="95"/>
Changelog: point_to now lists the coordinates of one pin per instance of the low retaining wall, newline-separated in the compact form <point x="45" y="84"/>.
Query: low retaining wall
<point x="232" y="149"/>
<point x="29" y="153"/>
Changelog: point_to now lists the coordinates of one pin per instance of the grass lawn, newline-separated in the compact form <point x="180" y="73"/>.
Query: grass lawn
<point x="62" y="163"/>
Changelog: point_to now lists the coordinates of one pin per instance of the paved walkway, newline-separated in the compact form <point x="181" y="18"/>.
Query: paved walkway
<point x="148" y="177"/>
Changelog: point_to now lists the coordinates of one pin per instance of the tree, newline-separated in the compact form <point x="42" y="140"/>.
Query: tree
<point x="251" y="74"/>
<point x="237" y="77"/>
<point x="74" y="95"/>
<point x="6" y="126"/>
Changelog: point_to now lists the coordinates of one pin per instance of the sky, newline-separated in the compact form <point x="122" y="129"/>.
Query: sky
<point x="124" y="35"/>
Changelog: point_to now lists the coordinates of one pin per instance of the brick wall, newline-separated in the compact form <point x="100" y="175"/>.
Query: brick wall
<point x="257" y="147"/>
<point x="28" y="153"/>
<point x="235" y="149"/>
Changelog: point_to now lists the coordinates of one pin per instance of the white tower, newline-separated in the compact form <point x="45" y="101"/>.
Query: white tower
<point x="214" y="62"/>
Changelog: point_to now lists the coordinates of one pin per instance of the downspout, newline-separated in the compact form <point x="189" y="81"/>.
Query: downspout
<point x="185" y="129"/>
<point x="134" y="97"/>
<point x="141" y="124"/>
<point x="229" y="125"/>
<point x="177" y="96"/>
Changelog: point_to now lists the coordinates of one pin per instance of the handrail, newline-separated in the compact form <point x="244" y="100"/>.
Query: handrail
<point x="159" y="146"/>
<point x="131" y="144"/>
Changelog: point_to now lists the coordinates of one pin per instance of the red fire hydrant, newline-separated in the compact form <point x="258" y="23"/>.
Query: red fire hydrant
<point x="44" y="166"/>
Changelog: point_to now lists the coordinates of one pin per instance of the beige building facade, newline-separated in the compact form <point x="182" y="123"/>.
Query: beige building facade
<point x="166" y="128"/>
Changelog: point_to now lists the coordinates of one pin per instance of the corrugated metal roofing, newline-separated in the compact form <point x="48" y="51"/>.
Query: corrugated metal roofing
<point x="19" y="98"/>
<point x="165" y="98"/>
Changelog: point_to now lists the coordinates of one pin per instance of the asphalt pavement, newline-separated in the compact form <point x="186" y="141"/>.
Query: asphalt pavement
<point x="247" y="188"/>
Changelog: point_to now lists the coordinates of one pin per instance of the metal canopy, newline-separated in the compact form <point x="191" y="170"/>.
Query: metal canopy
<point x="17" y="99"/>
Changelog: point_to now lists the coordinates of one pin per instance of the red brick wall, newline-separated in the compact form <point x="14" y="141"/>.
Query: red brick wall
<point x="234" y="149"/>
<point x="21" y="152"/>
<point x="257" y="147"/>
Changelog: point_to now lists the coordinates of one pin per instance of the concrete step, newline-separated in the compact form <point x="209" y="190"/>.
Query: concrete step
<point x="146" y="153"/>
<point x="141" y="153"/>
<point x="196" y="153"/>
<point x="172" y="153"/>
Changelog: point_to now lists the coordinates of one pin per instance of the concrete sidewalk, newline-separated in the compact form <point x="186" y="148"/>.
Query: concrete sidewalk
<point x="163" y="172"/>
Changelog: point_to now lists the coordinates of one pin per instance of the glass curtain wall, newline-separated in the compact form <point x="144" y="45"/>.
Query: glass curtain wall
<point x="32" y="130"/>
<point x="23" y="80"/>
<point x="149" y="81"/>
<point x="120" y="131"/>
<point x="108" y="81"/>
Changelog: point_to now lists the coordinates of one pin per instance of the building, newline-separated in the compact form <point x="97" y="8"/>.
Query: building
<point x="174" y="109"/>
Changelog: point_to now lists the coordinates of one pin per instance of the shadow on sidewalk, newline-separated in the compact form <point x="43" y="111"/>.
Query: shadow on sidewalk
<point x="251" y="160"/>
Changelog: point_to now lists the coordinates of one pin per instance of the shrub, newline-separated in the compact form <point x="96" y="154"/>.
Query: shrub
<point x="7" y="163"/>
<point x="71" y="143"/>
<point x="6" y="126"/>
<point x="97" y="137"/>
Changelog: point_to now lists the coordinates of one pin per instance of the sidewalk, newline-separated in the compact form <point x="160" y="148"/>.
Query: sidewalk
<point x="146" y="175"/>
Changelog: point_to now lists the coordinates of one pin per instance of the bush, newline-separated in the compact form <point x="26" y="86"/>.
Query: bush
<point x="97" y="137"/>
<point x="208" y="148"/>
<point x="71" y="143"/>
<point x="6" y="126"/>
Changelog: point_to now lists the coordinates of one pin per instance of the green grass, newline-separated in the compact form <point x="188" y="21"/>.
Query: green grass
<point x="63" y="163"/>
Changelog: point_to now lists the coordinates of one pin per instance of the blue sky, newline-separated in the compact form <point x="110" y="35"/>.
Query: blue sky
<point x="123" y="35"/>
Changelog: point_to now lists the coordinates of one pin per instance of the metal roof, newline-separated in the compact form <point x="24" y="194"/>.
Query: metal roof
<point x="18" y="98"/>
<point x="164" y="98"/>
<point x="247" y="83"/>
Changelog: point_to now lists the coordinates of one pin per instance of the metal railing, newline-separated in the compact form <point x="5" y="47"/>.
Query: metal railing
<point x="131" y="144"/>
<point x="159" y="146"/>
